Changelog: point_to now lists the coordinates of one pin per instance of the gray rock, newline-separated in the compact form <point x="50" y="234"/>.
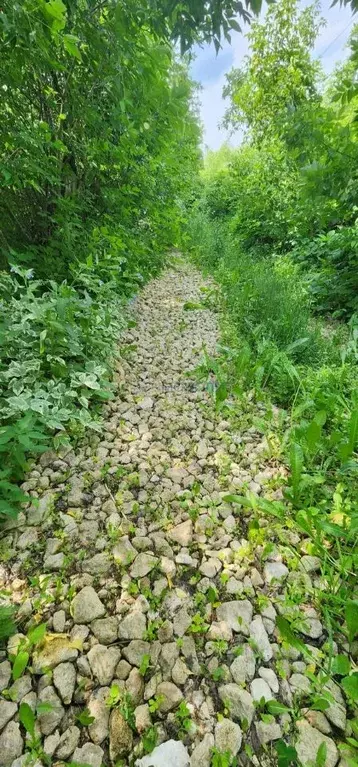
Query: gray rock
<point x="259" y="635"/>
<point x="132" y="626"/>
<point x="51" y="743"/>
<point x="228" y="736"/>
<point x="182" y="533"/>
<point x="172" y="752"/>
<point x="240" y="702"/>
<point x="168" y="656"/>
<point x="58" y="621"/>
<point x="54" y="562"/>
<point x="267" y="732"/>
<point x="55" y="650"/>
<point x="105" y="629"/>
<point x="99" y="564"/>
<point x="300" y="683"/>
<point x="336" y="711"/>
<point x="39" y="512"/>
<point x="120" y="736"/>
<point x="260" y="689"/>
<point x="135" y="686"/>
<point x="243" y="667"/>
<point x="180" y="672"/>
<point x="11" y="743"/>
<point x="103" y="661"/>
<point x="68" y="742"/>
<point x="28" y="538"/>
<point x="86" y="606"/>
<point x="97" y="706"/>
<point x="89" y="754"/>
<point x="135" y="650"/>
<point x="310" y="564"/>
<point x="181" y="622"/>
<point x="172" y="696"/>
<point x="308" y="743"/>
<point x="7" y="711"/>
<point x="49" y="720"/>
<point x="237" y="614"/>
<point x="275" y="571"/>
<point x="201" y="756"/>
<point x="123" y="670"/>
<point x="64" y="679"/>
<point x="270" y="677"/>
<point x="5" y="674"/>
<point x="20" y="688"/>
<point x="143" y="564"/>
<point x="142" y="718"/>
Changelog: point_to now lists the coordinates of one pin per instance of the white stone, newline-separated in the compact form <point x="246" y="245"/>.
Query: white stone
<point x="172" y="753"/>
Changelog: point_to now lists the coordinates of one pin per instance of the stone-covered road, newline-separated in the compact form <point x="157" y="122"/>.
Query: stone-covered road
<point x="160" y="600"/>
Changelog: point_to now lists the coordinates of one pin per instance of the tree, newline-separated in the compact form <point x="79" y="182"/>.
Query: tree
<point x="279" y="76"/>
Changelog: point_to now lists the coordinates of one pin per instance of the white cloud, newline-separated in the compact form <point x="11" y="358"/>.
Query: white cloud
<point x="210" y="70"/>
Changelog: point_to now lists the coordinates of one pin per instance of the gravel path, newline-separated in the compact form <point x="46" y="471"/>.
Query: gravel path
<point x="160" y="598"/>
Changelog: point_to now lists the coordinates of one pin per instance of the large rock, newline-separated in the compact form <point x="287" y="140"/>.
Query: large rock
<point x="87" y="606"/>
<point x="259" y="636"/>
<point x="123" y="552"/>
<point x="99" y="564"/>
<point x="103" y="661"/>
<point x="105" y="629"/>
<point x="172" y="753"/>
<point x="89" y="754"/>
<point x="97" y="706"/>
<point x="7" y="711"/>
<point x="275" y="571"/>
<point x="53" y="651"/>
<point x="308" y="743"/>
<point x="68" y="742"/>
<point x="237" y="614"/>
<point x="143" y="564"/>
<point x="171" y="696"/>
<point x="261" y="690"/>
<point x="182" y="533"/>
<point x="120" y="736"/>
<point x="243" y="667"/>
<point x="240" y="702"/>
<point x="49" y="720"/>
<point x="135" y="650"/>
<point x="11" y="744"/>
<point x="228" y="736"/>
<point x="64" y="679"/>
<point x="5" y="674"/>
<point x="201" y="756"/>
<point x="132" y="626"/>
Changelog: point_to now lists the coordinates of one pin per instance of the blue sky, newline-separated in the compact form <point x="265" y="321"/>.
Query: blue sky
<point x="209" y="70"/>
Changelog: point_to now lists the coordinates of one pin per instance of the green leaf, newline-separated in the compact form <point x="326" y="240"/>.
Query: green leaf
<point x="286" y="754"/>
<point x="321" y="755"/>
<point x="275" y="707"/>
<point x="288" y="635"/>
<point x="36" y="634"/>
<point x="71" y="45"/>
<point x="341" y="665"/>
<point x="20" y="664"/>
<point x="296" y="465"/>
<point x="350" y="686"/>
<point x="7" y="623"/>
<point x="351" y="616"/>
<point x="27" y="718"/>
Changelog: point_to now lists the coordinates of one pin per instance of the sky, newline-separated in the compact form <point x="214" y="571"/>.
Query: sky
<point x="209" y="69"/>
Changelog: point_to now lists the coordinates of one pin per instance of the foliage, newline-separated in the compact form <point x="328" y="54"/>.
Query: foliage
<point x="275" y="222"/>
<point x="99" y="139"/>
